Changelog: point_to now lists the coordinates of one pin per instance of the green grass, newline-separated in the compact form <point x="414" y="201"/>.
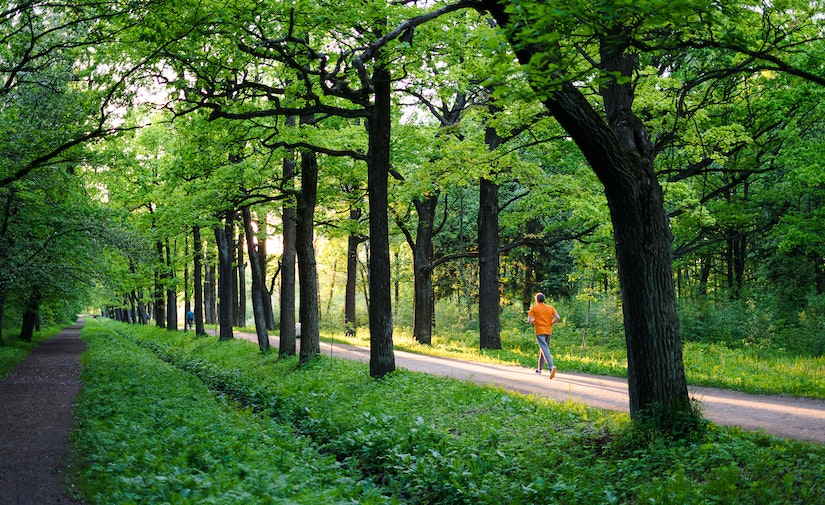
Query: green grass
<point x="221" y="422"/>
<point x="15" y="350"/>
<point x="148" y="432"/>
<point x="749" y="370"/>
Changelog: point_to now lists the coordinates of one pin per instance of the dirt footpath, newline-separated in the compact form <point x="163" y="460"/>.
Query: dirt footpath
<point x="36" y="419"/>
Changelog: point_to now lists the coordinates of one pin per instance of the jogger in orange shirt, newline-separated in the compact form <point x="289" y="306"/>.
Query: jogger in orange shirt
<point x="543" y="316"/>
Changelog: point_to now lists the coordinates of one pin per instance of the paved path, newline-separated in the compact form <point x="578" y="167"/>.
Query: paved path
<point x="783" y="416"/>
<point x="36" y="419"/>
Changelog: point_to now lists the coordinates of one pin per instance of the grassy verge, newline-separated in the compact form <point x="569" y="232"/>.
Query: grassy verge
<point x="147" y="428"/>
<point x="148" y="432"/>
<point x="762" y="371"/>
<point x="15" y="349"/>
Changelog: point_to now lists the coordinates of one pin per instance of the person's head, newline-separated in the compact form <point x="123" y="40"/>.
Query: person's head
<point x="540" y="297"/>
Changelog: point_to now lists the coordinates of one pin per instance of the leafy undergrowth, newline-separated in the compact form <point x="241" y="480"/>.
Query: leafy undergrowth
<point x="151" y="433"/>
<point x="148" y="432"/>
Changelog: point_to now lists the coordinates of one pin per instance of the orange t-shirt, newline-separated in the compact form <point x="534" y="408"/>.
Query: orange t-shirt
<point x="543" y="318"/>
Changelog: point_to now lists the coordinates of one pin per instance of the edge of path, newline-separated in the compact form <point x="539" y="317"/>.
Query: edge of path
<point x="789" y="417"/>
<point x="36" y="421"/>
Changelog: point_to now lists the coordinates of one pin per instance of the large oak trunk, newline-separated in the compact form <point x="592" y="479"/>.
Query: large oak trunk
<point x="288" y="346"/>
<point x="656" y="378"/>
<point x="258" y="286"/>
<point x="160" y="293"/>
<point x="198" y="280"/>
<point x="620" y="153"/>
<point x="350" y="319"/>
<point x="226" y="278"/>
<point x="382" y="358"/>
<point x="240" y="281"/>
<point x="171" y="294"/>
<point x="307" y="271"/>
<point x="489" y="323"/>
<point x="422" y="259"/>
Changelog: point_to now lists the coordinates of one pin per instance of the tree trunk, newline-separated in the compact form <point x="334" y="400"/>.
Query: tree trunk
<point x="365" y="279"/>
<point x="160" y="293"/>
<point x="197" y="276"/>
<point x="226" y="297"/>
<point x="382" y="359"/>
<point x="210" y="292"/>
<point x="27" y="329"/>
<point x="171" y="294"/>
<point x="240" y="282"/>
<point x="621" y="154"/>
<point x="31" y="314"/>
<point x="187" y="293"/>
<point x="133" y="316"/>
<point x="288" y="345"/>
<point x="424" y="309"/>
<point x="258" y="286"/>
<point x="735" y="255"/>
<point x="309" y="310"/>
<point x="489" y="323"/>
<point x="350" y="320"/>
<point x="143" y="316"/>
<point x="269" y="317"/>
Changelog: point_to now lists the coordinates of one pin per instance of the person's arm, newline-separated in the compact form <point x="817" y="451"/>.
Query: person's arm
<point x="556" y="318"/>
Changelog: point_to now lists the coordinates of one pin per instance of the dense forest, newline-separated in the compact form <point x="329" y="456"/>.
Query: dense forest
<point x="369" y="164"/>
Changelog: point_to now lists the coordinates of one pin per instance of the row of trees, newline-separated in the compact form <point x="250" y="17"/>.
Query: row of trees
<point x="698" y="122"/>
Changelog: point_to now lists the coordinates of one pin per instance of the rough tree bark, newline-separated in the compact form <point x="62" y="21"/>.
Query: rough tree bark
<point x="197" y="276"/>
<point x="288" y="345"/>
<point x="258" y="285"/>
<point x="382" y="358"/>
<point x="422" y="248"/>
<point x="240" y="280"/>
<point x="210" y="291"/>
<point x="269" y="317"/>
<point x="489" y="322"/>
<point x="307" y="271"/>
<point x="489" y="298"/>
<point x="171" y="293"/>
<point x="31" y="316"/>
<point x="226" y="296"/>
<point x="160" y="293"/>
<point x="620" y="153"/>
<point x="350" y="320"/>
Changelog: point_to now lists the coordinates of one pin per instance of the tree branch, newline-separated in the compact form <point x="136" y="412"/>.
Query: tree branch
<point x="360" y="61"/>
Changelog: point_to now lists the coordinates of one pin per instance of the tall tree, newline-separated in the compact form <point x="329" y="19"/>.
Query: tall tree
<point x="197" y="254"/>
<point x="382" y="359"/>
<point x="288" y="345"/>
<point x="304" y="246"/>
<point x="618" y="147"/>
<point x="489" y="323"/>
<point x="224" y="237"/>
<point x="258" y="282"/>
